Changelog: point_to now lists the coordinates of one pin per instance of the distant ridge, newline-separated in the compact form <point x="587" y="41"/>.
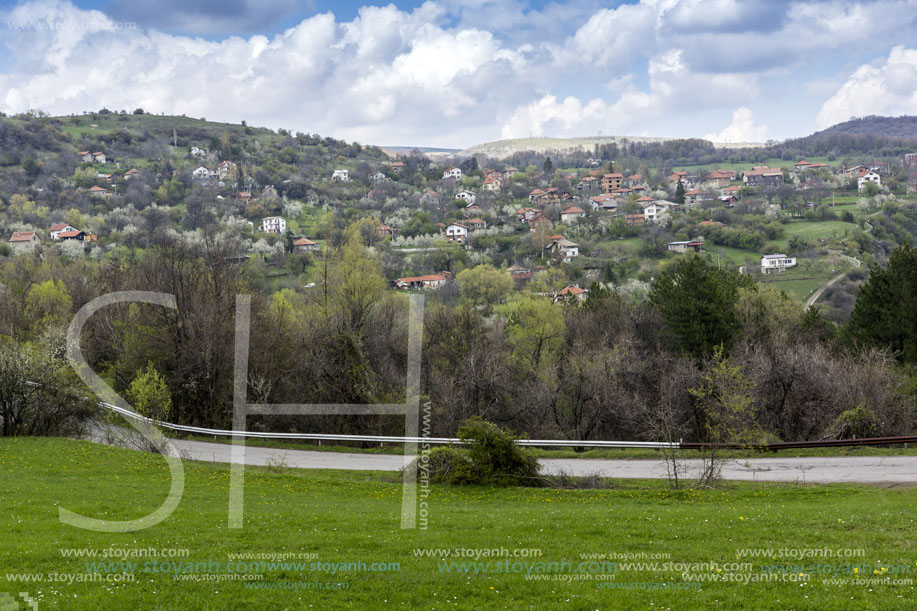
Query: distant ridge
<point x="506" y="148"/>
<point x="890" y="127"/>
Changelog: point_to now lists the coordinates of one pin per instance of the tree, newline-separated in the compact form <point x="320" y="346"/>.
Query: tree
<point x="885" y="313"/>
<point x="724" y="398"/>
<point x="870" y="189"/>
<point x="680" y="193"/>
<point x="548" y="166"/>
<point x="698" y="304"/>
<point x="535" y="330"/>
<point x="149" y="394"/>
<point x="484" y="286"/>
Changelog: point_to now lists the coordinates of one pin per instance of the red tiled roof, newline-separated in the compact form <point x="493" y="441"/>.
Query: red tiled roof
<point x="69" y="234"/>
<point x="572" y="210"/>
<point x="572" y="290"/>
<point x="303" y="242"/>
<point x="58" y="226"/>
<point x="22" y="236"/>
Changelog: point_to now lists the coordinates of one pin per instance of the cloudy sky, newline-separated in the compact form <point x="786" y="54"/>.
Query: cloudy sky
<point x="454" y="73"/>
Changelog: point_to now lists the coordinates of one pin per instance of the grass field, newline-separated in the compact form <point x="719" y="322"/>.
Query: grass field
<point x="330" y="518"/>
<point x="814" y="231"/>
<point x="773" y="162"/>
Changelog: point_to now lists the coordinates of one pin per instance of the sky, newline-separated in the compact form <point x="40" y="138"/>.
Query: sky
<point x="454" y="73"/>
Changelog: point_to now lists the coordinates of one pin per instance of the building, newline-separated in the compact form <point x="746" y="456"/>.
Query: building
<point x="198" y="152"/>
<point x="397" y="167"/>
<point x="571" y="214"/>
<point x="453" y="172"/>
<point x="428" y="281"/>
<point x="655" y="210"/>
<point x="202" y="173"/>
<point x="100" y="192"/>
<point x="378" y="176"/>
<point x="226" y="169"/>
<point x="695" y="245"/>
<point x="457" y="232"/>
<point x="340" y="176"/>
<point x="304" y="245"/>
<point x="74" y="234"/>
<point x="763" y="176"/>
<point x="494" y="183"/>
<point x="475" y="224"/>
<point x="868" y="177"/>
<point x="24" y="241"/>
<point x="57" y="228"/>
<point x="430" y="198"/>
<point x="385" y="231"/>
<point x="571" y="293"/>
<point x="467" y="196"/>
<point x="274" y="224"/>
<point x="611" y="182"/>
<point x="568" y="249"/>
<point x="777" y="263"/>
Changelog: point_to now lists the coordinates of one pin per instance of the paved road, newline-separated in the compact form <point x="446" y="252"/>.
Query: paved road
<point x="887" y="470"/>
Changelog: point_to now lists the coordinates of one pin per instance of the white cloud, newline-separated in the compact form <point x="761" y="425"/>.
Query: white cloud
<point x="889" y="88"/>
<point x="741" y="129"/>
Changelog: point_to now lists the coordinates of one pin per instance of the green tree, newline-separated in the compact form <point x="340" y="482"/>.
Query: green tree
<point x="149" y="395"/>
<point x="548" y="166"/>
<point x="48" y="303"/>
<point x="698" y="304"/>
<point x="484" y="286"/>
<point x="680" y="193"/>
<point x="885" y="312"/>
<point x="534" y="328"/>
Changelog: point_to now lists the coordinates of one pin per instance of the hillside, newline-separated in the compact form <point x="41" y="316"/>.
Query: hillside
<point x="502" y="149"/>
<point x="889" y="127"/>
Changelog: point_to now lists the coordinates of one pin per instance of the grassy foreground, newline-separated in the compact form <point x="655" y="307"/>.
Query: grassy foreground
<point x="330" y="518"/>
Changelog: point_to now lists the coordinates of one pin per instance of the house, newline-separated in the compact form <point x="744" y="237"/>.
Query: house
<point x="633" y="220"/>
<point x="634" y="180"/>
<point x="509" y="172"/>
<point x="612" y="181"/>
<point x="86" y="156"/>
<point x="304" y="245"/>
<point x="719" y="179"/>
<point x="397" y="167"/>
<point x="453" y="173"/>
<point x="535" y="194"/>
<point x="269" y="192"/>
<point x="519" y="273"/>
<point x="776" y="263"/>
<point x="457" y="232"/>
<point x="694" y="245"/>
<point x="57" y="228"/>
<point x="465" y="195"/>
<point x="729" y="200"/>
<point x="377" y="177"/>
<point x="385" y="231"/>
<point x="525" y="215"/>
<point x="571" y="293"/>
<point x="540" y="221"/>
<point x="655" y="210"/>
<point x="571" y="214"/>
<point x="698" y="196"/>
<point x="475" y="224"/>
<point x="131" y="173"/>
<point x="98" y="157"/>
<point x="428" y="281"/>
<point x="856" y="171"/>
<point x="867" y="178"/>
<point x="340" y="176"/>
<point x="801" y="166"/>
<point x="676" y="177"/>
<point x="605" y="201"/>
<point x="243" y="196"/>
<point x="74" y="234"/>
<point x="201" y="173"/>
<point x="733" y="190"/>
<point x="226" y="169"/>
<point x="100" y="192"/>
<point x="763" y="176"/>
<point x="492" y="184"/>
<point x="568" y="249"/>
<point x="24" y="241"/>
<point x="198" y="152"/>
<point x="274" y="224"/>
<point x="589" y="184"/>
<point x="430" y="198"/>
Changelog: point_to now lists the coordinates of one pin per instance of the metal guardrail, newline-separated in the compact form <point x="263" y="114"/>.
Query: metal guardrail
<point x="537" y="443"/>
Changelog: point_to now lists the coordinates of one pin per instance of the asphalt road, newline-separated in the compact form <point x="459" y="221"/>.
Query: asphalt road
<point x="887" y="470"/>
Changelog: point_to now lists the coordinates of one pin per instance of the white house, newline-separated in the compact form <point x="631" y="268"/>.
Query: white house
<point x="468" y="196"/>
<point x="198" y="152"/>
<point x="59" y="228"/>
<point x="868" y="177"/>
<point x="457" y="232"/>
<point x="569" y="249"/>
<point x="570" y="214"/>
<point x="492" y="184"/>
<point x="377" y="177"/>
<point x="201" y="173"/>
<point x="340" y="176"/>
<point x="274" y="224"/>
<point x="452" y="172"/>
<point x="225" y="169"/>
<point x="776" y="263"/>
<point x="654" y="211"/>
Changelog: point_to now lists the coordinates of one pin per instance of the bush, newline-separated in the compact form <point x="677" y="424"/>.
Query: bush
<point x="490" y="457"/>
<point x="856" y="423"/>
<point x="495" y="457"/>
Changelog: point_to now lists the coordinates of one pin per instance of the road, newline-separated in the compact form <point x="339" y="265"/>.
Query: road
<point x="820" y="291"/>
<point x="887" y="470"/>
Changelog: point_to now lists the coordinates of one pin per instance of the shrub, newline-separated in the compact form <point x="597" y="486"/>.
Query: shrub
<point x="449" y="465"/>
<point x="856" y="423"/>
<point x="495" y="457"/>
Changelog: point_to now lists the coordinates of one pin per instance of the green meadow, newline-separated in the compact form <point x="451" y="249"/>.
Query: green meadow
<point x="339" y="544"/>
